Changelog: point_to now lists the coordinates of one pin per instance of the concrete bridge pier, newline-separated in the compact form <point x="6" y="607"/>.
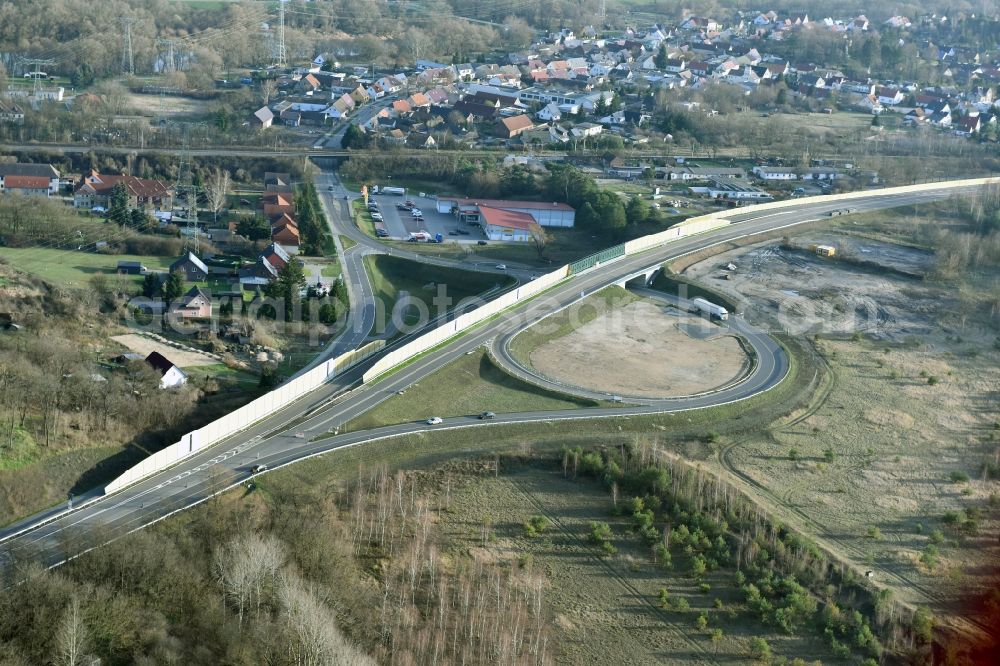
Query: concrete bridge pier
<point x="647" y="276"/>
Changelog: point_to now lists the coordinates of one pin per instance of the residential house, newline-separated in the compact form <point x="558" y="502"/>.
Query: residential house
<point x="775" y="173"/>
<point x="10" y="112"/>
<point x="584" y="130"/>
<point x="276" y="203"/>
<point x="262" y="118"/>
<point x="401" y="107"/>
<point x="25" y="178"/>
<point x="508" y="128"/>
<point x="968" y="125"/>
<point x="889" y="96"/>
<point x="730" y="189"/>
<point x="193" y="268"/>
<point x="142" y="193"/>
<point x="309" y="84"/>
<point x="287" y="234"/>
<point x="276" y="255"/>
<point x="551" y="112"/>
<point x="675" y="65"/>
<point x="420" y="140"/>
<point x="476" y="110"/>
<point x="360" y="96"/>
<point x="171" y="376"/>
<point x="195" y="304"/>
<point x="277" y="182"/>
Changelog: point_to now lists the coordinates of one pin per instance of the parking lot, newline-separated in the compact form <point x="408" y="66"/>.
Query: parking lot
<point x="401" y="223"/>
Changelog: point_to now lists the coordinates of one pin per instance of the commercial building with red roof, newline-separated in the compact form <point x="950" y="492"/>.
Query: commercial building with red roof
<point x="505" y="225"/>
<point x="546" y="214"/>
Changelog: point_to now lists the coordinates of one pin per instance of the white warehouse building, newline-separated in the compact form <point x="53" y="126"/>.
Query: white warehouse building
<point x="545" y="214"/>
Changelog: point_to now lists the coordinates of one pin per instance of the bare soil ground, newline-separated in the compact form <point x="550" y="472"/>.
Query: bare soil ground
<point x="643" y="349"/>
<point x="913" y="401"/>
<point x="143" y="345"/>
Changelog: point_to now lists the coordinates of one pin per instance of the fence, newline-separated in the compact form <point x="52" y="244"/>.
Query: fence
<point x="602" y="257"/>
<point x="245" y="416"/>
<point x="294" y="389"/>
<point x="435" y="337"/>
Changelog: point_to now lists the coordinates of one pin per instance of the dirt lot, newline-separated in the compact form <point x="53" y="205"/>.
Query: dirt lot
<point x="801" y="293"/>
<point x="902" y="435"/>
<point x="143" y="345"/>
<point x="643" y="349"/>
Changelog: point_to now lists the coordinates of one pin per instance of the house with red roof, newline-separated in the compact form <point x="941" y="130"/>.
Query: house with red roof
<point x="142" y="192"/>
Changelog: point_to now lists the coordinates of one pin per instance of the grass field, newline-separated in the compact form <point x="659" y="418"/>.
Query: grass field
<point x="484" y="387"/>
<point x="69" y="268"/>
<point x="895" y="440"/>
<point x="391" y="276"/>
<point x="605" y="610"/>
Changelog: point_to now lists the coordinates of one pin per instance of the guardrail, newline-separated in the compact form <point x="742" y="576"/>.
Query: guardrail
<point x="281" y="397"/>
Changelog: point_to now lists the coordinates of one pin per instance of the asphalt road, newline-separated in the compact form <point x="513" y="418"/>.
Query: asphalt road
<point x="293" y="433"/>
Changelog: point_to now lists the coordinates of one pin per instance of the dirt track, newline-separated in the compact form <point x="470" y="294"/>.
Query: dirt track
<point x="643" y="350"/>
<point x="143" y="345"/>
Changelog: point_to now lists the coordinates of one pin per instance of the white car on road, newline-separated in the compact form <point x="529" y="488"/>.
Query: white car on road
<point x="435" y="420"/>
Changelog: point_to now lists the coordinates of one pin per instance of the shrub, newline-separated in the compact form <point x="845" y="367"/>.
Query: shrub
<point x="704" y="588"/>
<point x="829" y="455"/>
<point x="535" y="526"/>
<point x="932" y="380"/>
<point x="760" y="650"/>
<point x="680" y="604"/>
<point x="959" y="477"/>
<point x="875" y="533"/>
<point x="701" y="621"/>
<point x="793" y="454"/>
<point x="664" y="598"/>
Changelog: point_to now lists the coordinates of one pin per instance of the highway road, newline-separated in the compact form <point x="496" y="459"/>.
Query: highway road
<point x="303" y="429"/>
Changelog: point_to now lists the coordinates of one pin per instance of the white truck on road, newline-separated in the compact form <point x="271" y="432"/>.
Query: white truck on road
<point x="397" y="191"/>
<point x="709" y="308"/>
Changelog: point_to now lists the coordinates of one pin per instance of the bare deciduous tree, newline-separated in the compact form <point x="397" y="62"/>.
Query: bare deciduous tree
<point x="71" y="641"/>
<point x="216" y="190"/>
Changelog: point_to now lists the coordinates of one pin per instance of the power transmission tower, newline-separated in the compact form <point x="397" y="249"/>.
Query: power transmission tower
<point x="128" y="61"/>
<point x="37" y="74"/>
<point x="169" y="65"/>
<point x="281" y="57"/>
<point x="186" y="193"/>
<point x="604" y="11"/>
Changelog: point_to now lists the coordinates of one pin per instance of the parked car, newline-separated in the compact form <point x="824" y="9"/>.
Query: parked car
<point x="400" y="206"/>
<point x="434" y="420"/>
<point x="463" y="232"/>
<point x="416" y="212"/>
<point x="419" y="218"/>
<point x="330" y="188"/>
<point x="481" y="243"/>
<point x="377" y="217"/>
<point x="452" y="233"/>
<point x="486" y="416"/>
